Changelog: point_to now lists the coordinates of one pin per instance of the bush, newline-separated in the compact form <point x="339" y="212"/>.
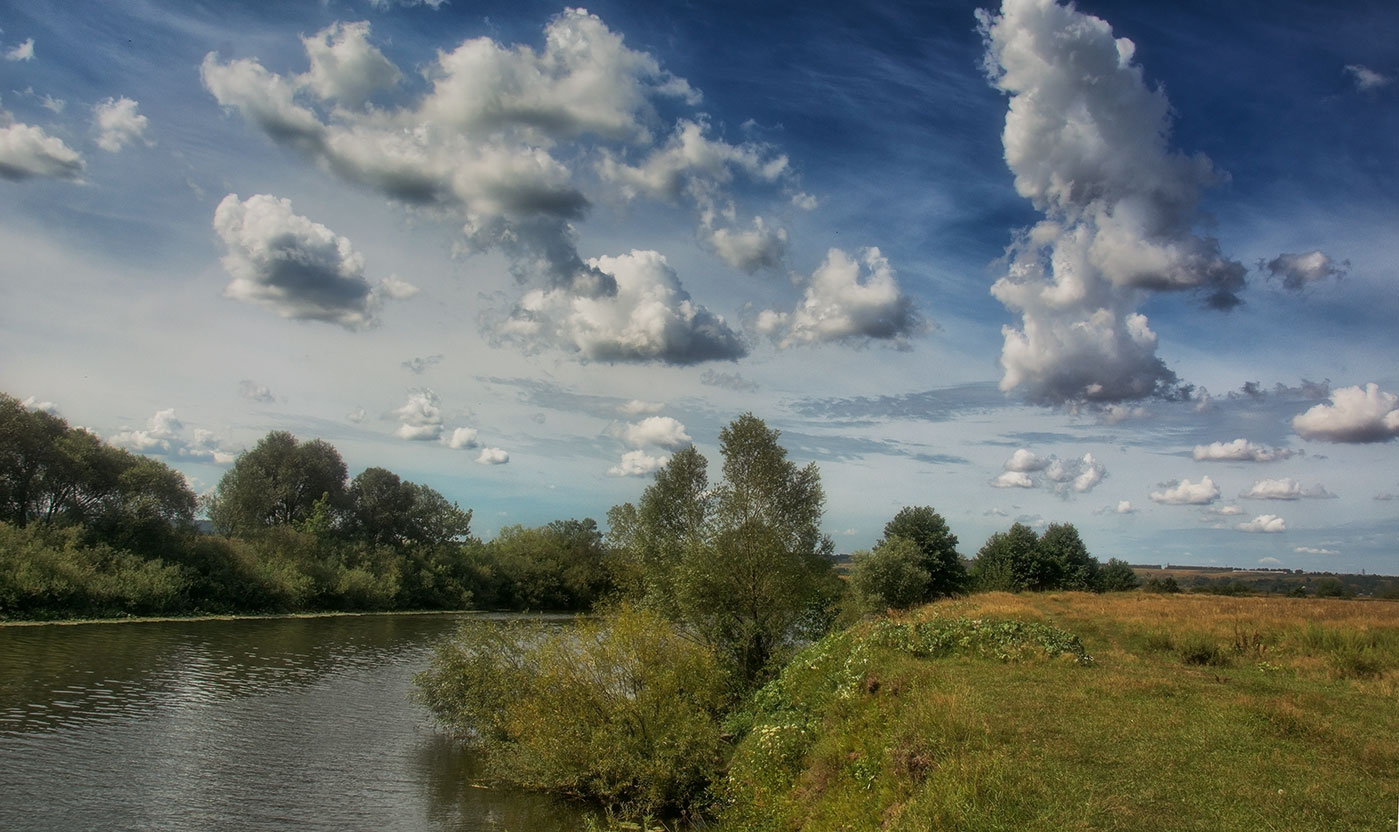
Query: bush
<point x="1165" y="586"/>
<point x="890" y="577"/>
<point x="1117" y="576"/>
<point x="623" y="709"/>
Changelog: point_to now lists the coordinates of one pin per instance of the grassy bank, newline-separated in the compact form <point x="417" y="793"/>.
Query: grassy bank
<point x="1075" y="712"/>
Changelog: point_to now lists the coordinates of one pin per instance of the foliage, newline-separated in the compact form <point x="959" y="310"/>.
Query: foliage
<point x="1117" y="576"/>
<point x="1067" y="562"/>
<point x="925" y="527"/>
<point x="382" y="509"/>
<point x="46" y="574"/>
<point x="892" y="576"/>
<point x="1009" y="561"/>
<point x="1164" y="585"/>
<point x="277" y="483"/>
<point x="743" y="564"/>
<point x="559" y="566"/>
<point x="621" y="709"/>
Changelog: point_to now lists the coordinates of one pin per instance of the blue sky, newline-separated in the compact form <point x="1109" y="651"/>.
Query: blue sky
<point x="1113" y="264"/>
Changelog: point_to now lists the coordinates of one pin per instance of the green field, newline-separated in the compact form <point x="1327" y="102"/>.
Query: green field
<point x="1073" y="711"/>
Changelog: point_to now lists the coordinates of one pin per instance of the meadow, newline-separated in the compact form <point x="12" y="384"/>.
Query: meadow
<point x="1076" y="711"/>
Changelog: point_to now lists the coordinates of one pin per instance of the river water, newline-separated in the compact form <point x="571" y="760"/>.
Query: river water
<point x="255" y="724"/>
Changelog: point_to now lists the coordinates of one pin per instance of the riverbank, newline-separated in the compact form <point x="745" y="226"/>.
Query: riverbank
<point x="1072" y="711"/>
<point x="150" y="619"/>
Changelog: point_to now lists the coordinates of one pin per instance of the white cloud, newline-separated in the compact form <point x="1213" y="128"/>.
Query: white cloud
<point x="345" y="67"/>
<point x="637" y="464"/>
<point x="847" y="299"/>
<point x="164" y="436"/>
<point x="53" y="105"/>
<point x="492" y="456"/>
<point x="1087" y="141"/>
<point x="420" y="417"/>
<point x="1116" y="414"/>
<point x="395" y="288"/>
<point x="27" y="151"/>
<point x="661" y="431"/>
<point x="461" y="438"/>
<point x="1312" y="550"/>
<point x="32" y="403"/>
<point x="1297" y="270"/>
<point x="419" y="364"/>
<point x="1025" y="460"/>
<point x="1013" y="479"/>
<point x="750" y="249"/>
<point x="118" y="124"/>
<point x="649" y="318"/>
<point x="1284" y="488"/>
<point x="1185" y="492"/>
<point x="357" y="415"/>
<point x="1240" y="450"/>
<point x="637" y="407"/>
<point x="1264" y="524"/>
<point x="1355" y="415"/>
<point x="1366" y="78"/>
<point x="1124" y="507"/>
<point x="1225" y="511"/>
<point x="1270" y="561"/>
<point x="295" y="267"/>
<point x="252" y="391"/>
<point x="21" y="52"/>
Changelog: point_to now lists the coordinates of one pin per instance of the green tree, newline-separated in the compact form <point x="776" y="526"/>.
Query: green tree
<point x="938" y="545"/>
<point x="892" y="576"/>
<point x="1118" y="576"/>
<point x="277" y="483"/>
<point x="743" y="564"/>
<point x="561" y="566"/>
<point x="1008" y="561"/>
<point x="28" y="455"/>
<point x="1064" y="562"/>
<point x="382" y="509"/>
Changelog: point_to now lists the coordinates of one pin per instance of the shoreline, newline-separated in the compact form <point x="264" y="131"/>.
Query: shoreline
<point x="232" y="616"/>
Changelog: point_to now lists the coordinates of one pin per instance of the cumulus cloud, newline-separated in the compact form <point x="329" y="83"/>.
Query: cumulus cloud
<point x="1224" y="511"/>
<point x="637" y="407"/>
<point x="1285" y="489"/>
<point x="1013" y="479"/>
<point x="118" y="124"/>
<point x="1116" y="414"/>
<point x="1125" y="507"/>
<point x="357" y="415"/>
<point x="164" y="435"/>
<point x="1240" y="450"/>
<point x="479" y="140"/>
<point x="420" y="417"/>
<point x="295" y="267"/>
<point x="461" y="438"/>
<point x="1078" y="476"/>
<point x="1355" y="415"/>
<point x="1087" y="140"/>
<point x="728" y="381"/>
<point x="650" y="317"/>
<point x="637" y="464"/>
<point x="661" y="431"/>
<point x="492" y="456"/>
<point x="1264" y="524"/>
<point x="1185" y="492"/>
<point x="21" y="52"/>
<point x="254" y="392"/>
<point x="27" y="152"/>
<point x="1366" y="78"/>
<point x="1297" y="271"/>
<point x="35" y="404"/>
<point x="847" y="299"/>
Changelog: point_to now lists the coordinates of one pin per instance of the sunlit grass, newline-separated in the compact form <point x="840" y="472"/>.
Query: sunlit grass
<point x="1195" y="713"/>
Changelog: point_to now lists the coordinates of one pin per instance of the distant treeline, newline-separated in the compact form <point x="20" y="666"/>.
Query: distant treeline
<point x="87" y="529"/>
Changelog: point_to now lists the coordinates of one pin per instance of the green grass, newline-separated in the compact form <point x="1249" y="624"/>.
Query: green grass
<point x="1081" y="712"/>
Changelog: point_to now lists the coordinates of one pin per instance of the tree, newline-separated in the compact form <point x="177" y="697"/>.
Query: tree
<point x="1117" y="576"/>
<point x="277" y="483"/>
<point x="1008" y="561"/>
<point x="1065" y="562"/>
<point x="938" y="546"/>
<point x="743" y="564"/>
<point x="892" y="576"/>
<point x="382" y="509"/>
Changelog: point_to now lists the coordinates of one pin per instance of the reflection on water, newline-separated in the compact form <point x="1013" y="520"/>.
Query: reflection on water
<point x="251" y="724"/>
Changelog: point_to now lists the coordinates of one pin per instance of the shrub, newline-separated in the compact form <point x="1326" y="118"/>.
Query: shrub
<point x="890" y="577"/>
<point x="1117" y="576"/>
<point x="622" y="709"/>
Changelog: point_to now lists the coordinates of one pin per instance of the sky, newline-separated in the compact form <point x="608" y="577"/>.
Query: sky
<point x="1128" y="266"/>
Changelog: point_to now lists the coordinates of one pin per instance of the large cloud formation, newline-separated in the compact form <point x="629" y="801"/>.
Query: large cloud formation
<point x="847" y="299"/>
<point x="1355" y="414"/>
<point x="1063" y="476"/>
<point x="293" y="266"/>
<point x="1088" y="142"/>
<point x="1187" y="493"/>
<point x="502" y="139"/>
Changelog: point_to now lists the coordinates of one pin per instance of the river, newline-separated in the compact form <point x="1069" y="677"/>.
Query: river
<point x="252" y="724"/>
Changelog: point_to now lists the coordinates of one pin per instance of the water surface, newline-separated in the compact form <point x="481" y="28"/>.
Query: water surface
<point x="256" y="724"/>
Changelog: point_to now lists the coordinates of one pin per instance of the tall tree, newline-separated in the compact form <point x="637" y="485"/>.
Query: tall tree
<point x="277" y="483"/>
<point x="743" y="564"/>
<point x="938" y="545"/>
<point x="1068" y="563"/>
<point x="1009" y="561"/>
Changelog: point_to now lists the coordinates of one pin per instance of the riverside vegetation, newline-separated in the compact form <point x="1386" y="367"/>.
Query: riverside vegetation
<point x="728" y="675"/>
